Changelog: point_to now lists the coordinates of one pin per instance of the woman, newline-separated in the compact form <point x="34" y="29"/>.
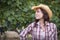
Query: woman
<point x="41" y="28"/>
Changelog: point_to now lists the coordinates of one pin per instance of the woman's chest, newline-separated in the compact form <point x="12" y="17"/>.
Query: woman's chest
<point x="39" y="32"/>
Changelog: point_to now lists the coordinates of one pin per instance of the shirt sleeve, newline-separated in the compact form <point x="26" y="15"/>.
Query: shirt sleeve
<point x="55" y="33"/>
<point x="25" y="32"/>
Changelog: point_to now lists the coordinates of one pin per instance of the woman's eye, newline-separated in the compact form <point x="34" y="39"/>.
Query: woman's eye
<point x="37" y="11"/>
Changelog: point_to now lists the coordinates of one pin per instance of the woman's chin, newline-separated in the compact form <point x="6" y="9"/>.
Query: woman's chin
<point x="38" y="18"/>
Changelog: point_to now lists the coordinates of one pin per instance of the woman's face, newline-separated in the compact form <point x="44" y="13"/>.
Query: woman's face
<point x="38" y="14"/>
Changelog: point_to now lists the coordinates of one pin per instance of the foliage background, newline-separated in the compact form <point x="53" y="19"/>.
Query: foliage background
<point x="18" y="13"/>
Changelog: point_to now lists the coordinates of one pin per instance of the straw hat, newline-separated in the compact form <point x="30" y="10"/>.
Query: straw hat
<point x="45" y="7"/>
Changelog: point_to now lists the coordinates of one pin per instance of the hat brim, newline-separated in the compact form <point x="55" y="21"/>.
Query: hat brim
<point x="35" y="7"/>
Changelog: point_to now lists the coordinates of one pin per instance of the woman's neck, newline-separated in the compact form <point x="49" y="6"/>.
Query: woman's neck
<point x="41" y="21"/>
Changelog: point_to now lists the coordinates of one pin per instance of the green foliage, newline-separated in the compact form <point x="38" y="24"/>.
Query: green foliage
<point x="18" y="13"/>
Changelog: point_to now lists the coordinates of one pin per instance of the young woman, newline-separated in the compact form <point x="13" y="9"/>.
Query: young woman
<point x="41" y="28"/>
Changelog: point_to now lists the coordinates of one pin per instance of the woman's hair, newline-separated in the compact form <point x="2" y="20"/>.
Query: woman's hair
<point x="45" y="17"/>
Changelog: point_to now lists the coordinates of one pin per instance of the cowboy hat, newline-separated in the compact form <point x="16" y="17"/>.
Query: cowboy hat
<point x="45" y="7"/>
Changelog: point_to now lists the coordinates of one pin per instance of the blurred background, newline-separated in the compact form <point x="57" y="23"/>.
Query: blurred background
<point x="15" y="15"/>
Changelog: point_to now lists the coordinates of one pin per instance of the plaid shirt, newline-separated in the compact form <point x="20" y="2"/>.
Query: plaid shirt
<point x="50" y="32"/>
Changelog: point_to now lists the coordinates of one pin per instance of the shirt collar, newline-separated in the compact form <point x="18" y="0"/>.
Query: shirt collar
<point x="47" y="23"/>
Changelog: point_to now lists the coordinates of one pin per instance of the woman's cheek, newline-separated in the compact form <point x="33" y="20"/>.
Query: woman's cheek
<point x="41" y="15"/>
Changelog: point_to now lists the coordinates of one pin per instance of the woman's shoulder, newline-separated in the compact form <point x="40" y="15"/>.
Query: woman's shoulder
<point x="53" y="25"/>
<point x="31" y="24"/>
